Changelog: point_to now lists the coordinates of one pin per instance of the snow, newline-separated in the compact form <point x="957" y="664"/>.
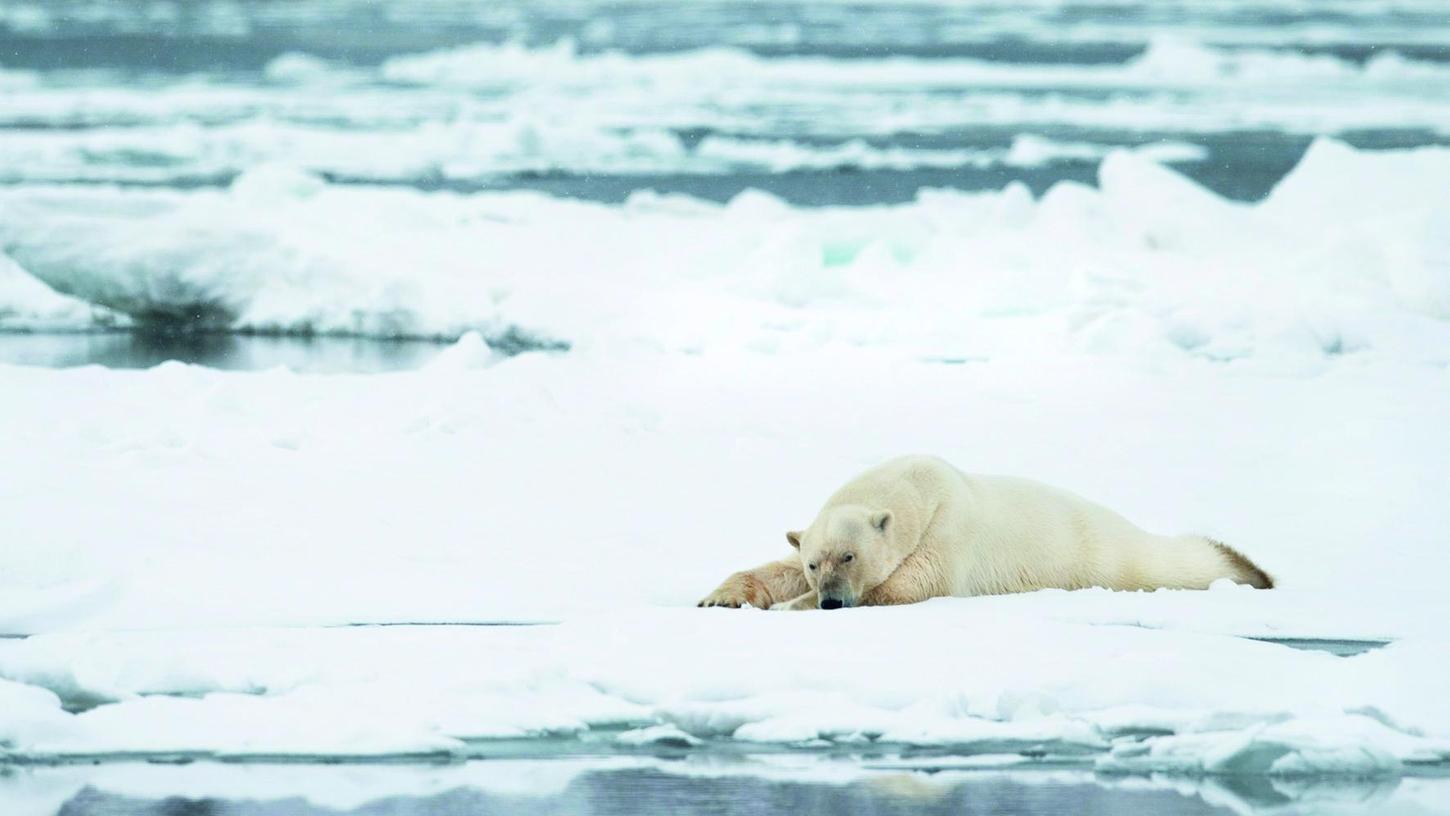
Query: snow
<point x="172" y="451"/>
<point x="230" y="517"/>
<point x="1167" y="61"/>
<point x="1344" y="744"/>
<point x="681" y="677"/>
<point x="478" y="152"/>
<point x="469" y="352"/>
<point x="475" y="114"/>
<point x="660" y="735"/>
<point x="345" y="590"/>
<point x="1137" y="266"/>
<point x="28" y="710"/>
<point x="185" y="547"/>
<point x="26" y="304"/>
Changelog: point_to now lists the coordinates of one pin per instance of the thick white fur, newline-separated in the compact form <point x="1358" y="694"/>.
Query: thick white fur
<point x="916" y="528"/>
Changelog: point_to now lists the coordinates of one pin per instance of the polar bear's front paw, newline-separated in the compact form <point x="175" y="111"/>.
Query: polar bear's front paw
<point x="740" y="589"/>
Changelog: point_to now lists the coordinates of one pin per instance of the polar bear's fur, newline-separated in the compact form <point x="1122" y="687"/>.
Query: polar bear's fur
<point x="917" y="528"/>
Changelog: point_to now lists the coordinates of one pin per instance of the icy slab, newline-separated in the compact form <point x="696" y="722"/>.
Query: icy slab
<point x="1348" y="745"/>
<point x="54" y="597"/>
<point x="1287" y="399"/>
<point x="488" y="153"/>
<point x="1138" y="682"/>
<point x="1147" y="266"/>
<point x="664" y="736"/>
<point x="26" y="304"/>
<point x="28" y="710"/>
<point x="1136" y="700"/>
<point x="577" y="102"/>
<point x="489" y="113"/>
<point x="450" y="511"/>
<point x="470" y="352"/>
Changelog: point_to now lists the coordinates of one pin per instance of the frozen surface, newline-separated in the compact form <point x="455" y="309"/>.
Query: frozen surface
<point x="547" y="485"/>
<point x="227" y="515"/>
<point x="473" y="153"/>
<point x="27" y="304"/>
<point x="1284" y="391"/>
<point x="1123" y="699"/>
<point x="1348" y="255"/>
<point x="181" y="548"/>
<point x="492" y="114"/>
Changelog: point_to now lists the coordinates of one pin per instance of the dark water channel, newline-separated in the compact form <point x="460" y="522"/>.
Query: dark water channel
<point x="313" y="355"/>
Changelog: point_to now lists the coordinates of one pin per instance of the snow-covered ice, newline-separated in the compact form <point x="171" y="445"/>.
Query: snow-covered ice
<point x="184" y="552"/>
<point x="227" y="515"/>
<point x="1347" y="256"/>
<point x="946" y="674"/>
<point x="473" y="114"/>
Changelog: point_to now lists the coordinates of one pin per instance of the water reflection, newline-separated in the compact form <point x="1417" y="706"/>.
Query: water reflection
<point x="321" y="355"/>
<point x="693" y="786"/>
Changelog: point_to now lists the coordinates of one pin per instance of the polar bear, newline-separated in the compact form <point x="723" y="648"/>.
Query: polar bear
<point x="916" y="527"/>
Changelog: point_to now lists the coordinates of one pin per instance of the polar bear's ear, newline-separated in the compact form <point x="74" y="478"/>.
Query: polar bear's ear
<point x="880" y="519"/>
<point x="794" y="538"/>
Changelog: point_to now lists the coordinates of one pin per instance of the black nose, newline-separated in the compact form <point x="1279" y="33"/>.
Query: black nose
<point x="831" y="603"/>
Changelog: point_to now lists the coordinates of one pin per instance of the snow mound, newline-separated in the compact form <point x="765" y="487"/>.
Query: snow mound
<point x="1346" y="745"/>
<point x="296" y="692"/>
<point x="663" y="736"/>
<point x="275" y="253"/>
<point x="470" y="352"/>
<point x="274" y="184"/>
<point x="30" y="713"/>
<point x="1177" y="60"/>
<point x="1148" y="265"/>
<point x="1336" y="182"/>
<point x="26" y="304"/>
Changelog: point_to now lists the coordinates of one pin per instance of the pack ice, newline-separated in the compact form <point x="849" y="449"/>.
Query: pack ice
<point x="183" y="546"/>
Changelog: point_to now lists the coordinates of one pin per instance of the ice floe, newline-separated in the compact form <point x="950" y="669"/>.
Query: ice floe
<point x="1345" y="257"/>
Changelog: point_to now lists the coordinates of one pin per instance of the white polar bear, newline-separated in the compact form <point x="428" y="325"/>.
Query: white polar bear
<point x="917" y="528"/>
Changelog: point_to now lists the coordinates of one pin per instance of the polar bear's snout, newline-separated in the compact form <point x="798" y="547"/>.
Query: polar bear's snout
<point x="834" y="590"/>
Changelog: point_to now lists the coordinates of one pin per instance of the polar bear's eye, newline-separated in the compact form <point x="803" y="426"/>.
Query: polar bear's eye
<point x="813" y="567"/>
<point x="846" y="559"/>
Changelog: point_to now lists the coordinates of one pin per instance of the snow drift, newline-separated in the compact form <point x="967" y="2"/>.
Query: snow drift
<point x="1346" y="256"/>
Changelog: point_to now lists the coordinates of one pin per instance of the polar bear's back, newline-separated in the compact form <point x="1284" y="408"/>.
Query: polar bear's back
<point x="1026" y="535"/>
<point x="998" y="534"/>
<point x="899" y="482"/>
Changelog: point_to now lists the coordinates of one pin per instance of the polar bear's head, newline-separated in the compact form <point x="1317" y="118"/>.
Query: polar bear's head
<point x="846" y="552"/>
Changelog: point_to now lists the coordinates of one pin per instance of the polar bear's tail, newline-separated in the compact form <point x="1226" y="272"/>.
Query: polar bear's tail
<point x="1191" y="562"/>
<point x="1244" y="570"/>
